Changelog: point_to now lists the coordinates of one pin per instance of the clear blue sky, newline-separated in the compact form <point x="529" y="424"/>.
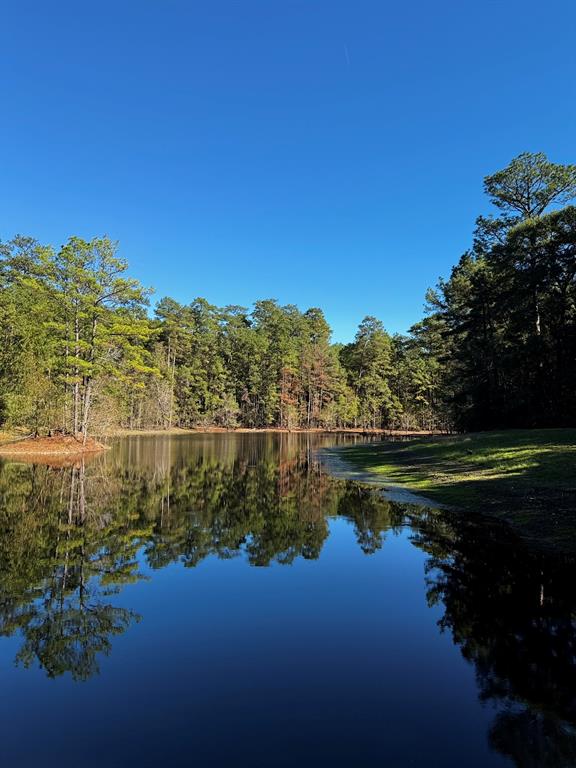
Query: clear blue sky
<point x="324" y="153"/>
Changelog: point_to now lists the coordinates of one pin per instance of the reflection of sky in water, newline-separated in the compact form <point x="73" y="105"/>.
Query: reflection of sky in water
<point x="334" y="659"/>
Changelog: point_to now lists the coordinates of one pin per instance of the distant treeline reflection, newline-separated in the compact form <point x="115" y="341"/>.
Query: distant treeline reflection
<point x="72" y="537"/>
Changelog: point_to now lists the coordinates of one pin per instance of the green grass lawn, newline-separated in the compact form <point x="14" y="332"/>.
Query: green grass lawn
<point x="526" y="477"/>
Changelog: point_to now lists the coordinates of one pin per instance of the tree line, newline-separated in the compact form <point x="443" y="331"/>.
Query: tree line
<point x="81" y="349"/>
<point x="503" y="326"/>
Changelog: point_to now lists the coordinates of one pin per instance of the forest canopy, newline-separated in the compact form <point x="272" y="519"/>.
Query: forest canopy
<point x="81" y="350"/>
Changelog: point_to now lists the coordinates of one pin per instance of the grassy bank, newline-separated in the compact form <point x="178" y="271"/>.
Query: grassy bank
<point x="526" y="477"/>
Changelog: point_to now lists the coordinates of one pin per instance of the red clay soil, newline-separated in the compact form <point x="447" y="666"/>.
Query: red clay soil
<point x="59" y="445"/>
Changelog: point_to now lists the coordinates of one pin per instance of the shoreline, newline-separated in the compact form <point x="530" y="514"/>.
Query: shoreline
<point x="127" y="432"/>
<point x="524" y="478"/>
<point x="333" y="463"/>
<point x="29" y="447"/>
<point x="15" y="445"/>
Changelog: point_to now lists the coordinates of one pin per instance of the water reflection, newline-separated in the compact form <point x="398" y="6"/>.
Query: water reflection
<point x="512" y="612"/>
<point x="72" y="536"/>
<point x="63" y="552"/>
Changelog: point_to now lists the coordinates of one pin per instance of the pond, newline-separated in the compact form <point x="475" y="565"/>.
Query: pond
<point x="222" y="600"/>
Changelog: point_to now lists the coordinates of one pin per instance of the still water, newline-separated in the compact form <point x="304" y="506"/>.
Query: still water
<point x="222" y="601"/>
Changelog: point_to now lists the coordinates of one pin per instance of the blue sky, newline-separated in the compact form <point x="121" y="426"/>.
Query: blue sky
<point x="323" y="153"/>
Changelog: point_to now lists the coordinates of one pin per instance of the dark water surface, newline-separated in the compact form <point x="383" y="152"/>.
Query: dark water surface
<point x="222" y="601"/>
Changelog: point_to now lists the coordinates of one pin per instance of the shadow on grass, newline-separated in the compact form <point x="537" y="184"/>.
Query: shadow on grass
<point x="524" y="477"/>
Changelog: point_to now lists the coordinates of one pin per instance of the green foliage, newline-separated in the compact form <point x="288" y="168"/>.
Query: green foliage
<point x="73" y="325"/>
<point x="497" y="345"/>
<point x="273" y="366"/>
<point x="368" y="362"/>
<point x="504" y="324"/>
<point x="530" y="184"/>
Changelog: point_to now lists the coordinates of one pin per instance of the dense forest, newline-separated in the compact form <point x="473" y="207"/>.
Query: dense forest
<point x="503" y="326"/>
<point x="81" y="350"/>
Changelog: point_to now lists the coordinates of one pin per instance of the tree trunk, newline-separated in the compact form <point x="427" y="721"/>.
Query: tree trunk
<point x="76" y="407"/>
<point x="86" y="410"/>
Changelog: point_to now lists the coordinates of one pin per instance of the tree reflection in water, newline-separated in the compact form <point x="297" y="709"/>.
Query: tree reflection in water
<point x="512" y="612"/>
<point x="72" y="536"/>
<point x="61" y="557"/>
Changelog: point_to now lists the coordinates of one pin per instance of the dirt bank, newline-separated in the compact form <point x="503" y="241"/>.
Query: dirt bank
<point x="58" y="445"/>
